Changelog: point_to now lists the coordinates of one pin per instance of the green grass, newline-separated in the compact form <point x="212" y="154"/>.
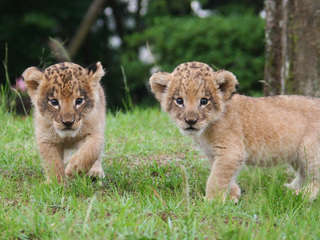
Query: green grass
<point x="154" y="188"/>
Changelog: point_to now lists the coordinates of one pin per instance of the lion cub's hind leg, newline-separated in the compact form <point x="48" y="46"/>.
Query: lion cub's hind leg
<point x="308" y="177"/>
<point x="312" y="180"/>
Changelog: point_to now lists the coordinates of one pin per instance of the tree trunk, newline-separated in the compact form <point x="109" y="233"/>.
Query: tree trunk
<point x="292" y="47"/>
<point x="89" y="19"/>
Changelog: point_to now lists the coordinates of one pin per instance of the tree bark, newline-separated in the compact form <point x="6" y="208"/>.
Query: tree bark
<point x="292" y="47"/>
<point x="92" y="14"/>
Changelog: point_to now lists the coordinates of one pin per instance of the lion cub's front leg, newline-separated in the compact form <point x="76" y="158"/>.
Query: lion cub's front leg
<point x="222" y="177"/>
<point x="87" y="158"/>
<point x="52" y="160"/>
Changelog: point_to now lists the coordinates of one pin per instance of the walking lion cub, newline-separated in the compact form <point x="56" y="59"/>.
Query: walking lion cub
<point x="69" y="118"/>
<point x="234" y="130"/>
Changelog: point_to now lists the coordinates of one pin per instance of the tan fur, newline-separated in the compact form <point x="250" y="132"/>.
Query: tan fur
<point x="70" y="134"/>
<point x="237" y="130"/>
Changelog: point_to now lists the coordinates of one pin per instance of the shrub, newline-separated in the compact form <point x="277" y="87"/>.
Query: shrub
<point x="235" y="43"/>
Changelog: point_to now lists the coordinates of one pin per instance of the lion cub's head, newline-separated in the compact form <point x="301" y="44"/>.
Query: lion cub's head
<point x="64" y="94"/>
<point x="193" y="94"/>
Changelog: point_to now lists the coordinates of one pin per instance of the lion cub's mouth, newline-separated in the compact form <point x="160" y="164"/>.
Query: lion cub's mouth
<point x="68" y="129"/>
<point x="67" y="132"/>
<point x="191" y="129"/>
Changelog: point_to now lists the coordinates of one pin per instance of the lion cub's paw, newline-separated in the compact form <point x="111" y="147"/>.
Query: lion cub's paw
<point x="96" y="172"/>
<point x="223" y="199"/>
<point x="311" y="190"/>
<point x="71" y="170"/>
<point x="233" y="194"/>
<point x="290" y="186"/>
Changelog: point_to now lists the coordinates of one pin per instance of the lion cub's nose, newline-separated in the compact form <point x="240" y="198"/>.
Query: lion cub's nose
<point x="68" y="123"/>
<point x="67" y="120"/>
<point x="191" y="121"/>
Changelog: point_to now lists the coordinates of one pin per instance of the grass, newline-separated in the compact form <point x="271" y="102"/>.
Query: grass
<point x="154" y="188"/>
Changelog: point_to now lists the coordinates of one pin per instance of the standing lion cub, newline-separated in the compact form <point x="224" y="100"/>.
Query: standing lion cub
<point x="234" y="130"/>
<point x="69" y="117"/>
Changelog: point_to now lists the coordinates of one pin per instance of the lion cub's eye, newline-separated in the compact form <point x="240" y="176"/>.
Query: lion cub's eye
<point x="204" y="101"/>
<point x="79" y="101"/>
<point x="54" y="102"/>
<point x="179" y="101"/>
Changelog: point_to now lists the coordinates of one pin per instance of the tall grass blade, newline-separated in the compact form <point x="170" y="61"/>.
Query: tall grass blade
<point x="127" y="102"/>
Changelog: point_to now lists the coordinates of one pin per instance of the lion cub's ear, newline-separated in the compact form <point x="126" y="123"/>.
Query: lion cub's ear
<point x="226" y="82"/>
<point x="32" y="76"/>
<point x="95" y="72"/>
<point x="159" y="82"/>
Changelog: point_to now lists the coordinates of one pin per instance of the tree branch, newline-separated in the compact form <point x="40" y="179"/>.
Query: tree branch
<point x="90" y="17"/>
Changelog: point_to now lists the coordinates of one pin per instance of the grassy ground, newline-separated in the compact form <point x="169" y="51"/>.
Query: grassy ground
<point x="154" y="188"/>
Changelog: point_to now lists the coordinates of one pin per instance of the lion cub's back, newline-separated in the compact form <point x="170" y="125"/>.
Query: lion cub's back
<point x="276" y="126"/>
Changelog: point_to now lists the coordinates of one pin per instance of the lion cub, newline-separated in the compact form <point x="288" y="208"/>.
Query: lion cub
<point x="69" y="117"/>
<point x="233" y="129"/>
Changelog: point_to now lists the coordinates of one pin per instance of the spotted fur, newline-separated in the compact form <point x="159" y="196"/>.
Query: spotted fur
<point x="69" y="114"/>
<point x="234" y="130"/>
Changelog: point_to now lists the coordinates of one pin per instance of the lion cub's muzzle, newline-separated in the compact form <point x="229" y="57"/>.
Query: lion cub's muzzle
<point x="68" y="121"/>
<point x="67" y="126"/>
<point x="191" y="122"/>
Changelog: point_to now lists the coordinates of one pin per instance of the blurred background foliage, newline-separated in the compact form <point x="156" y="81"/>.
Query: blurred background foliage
<point x="142" y="36"/>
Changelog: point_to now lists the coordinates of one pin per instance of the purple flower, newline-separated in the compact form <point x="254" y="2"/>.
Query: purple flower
<point x="20" y="85"/>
